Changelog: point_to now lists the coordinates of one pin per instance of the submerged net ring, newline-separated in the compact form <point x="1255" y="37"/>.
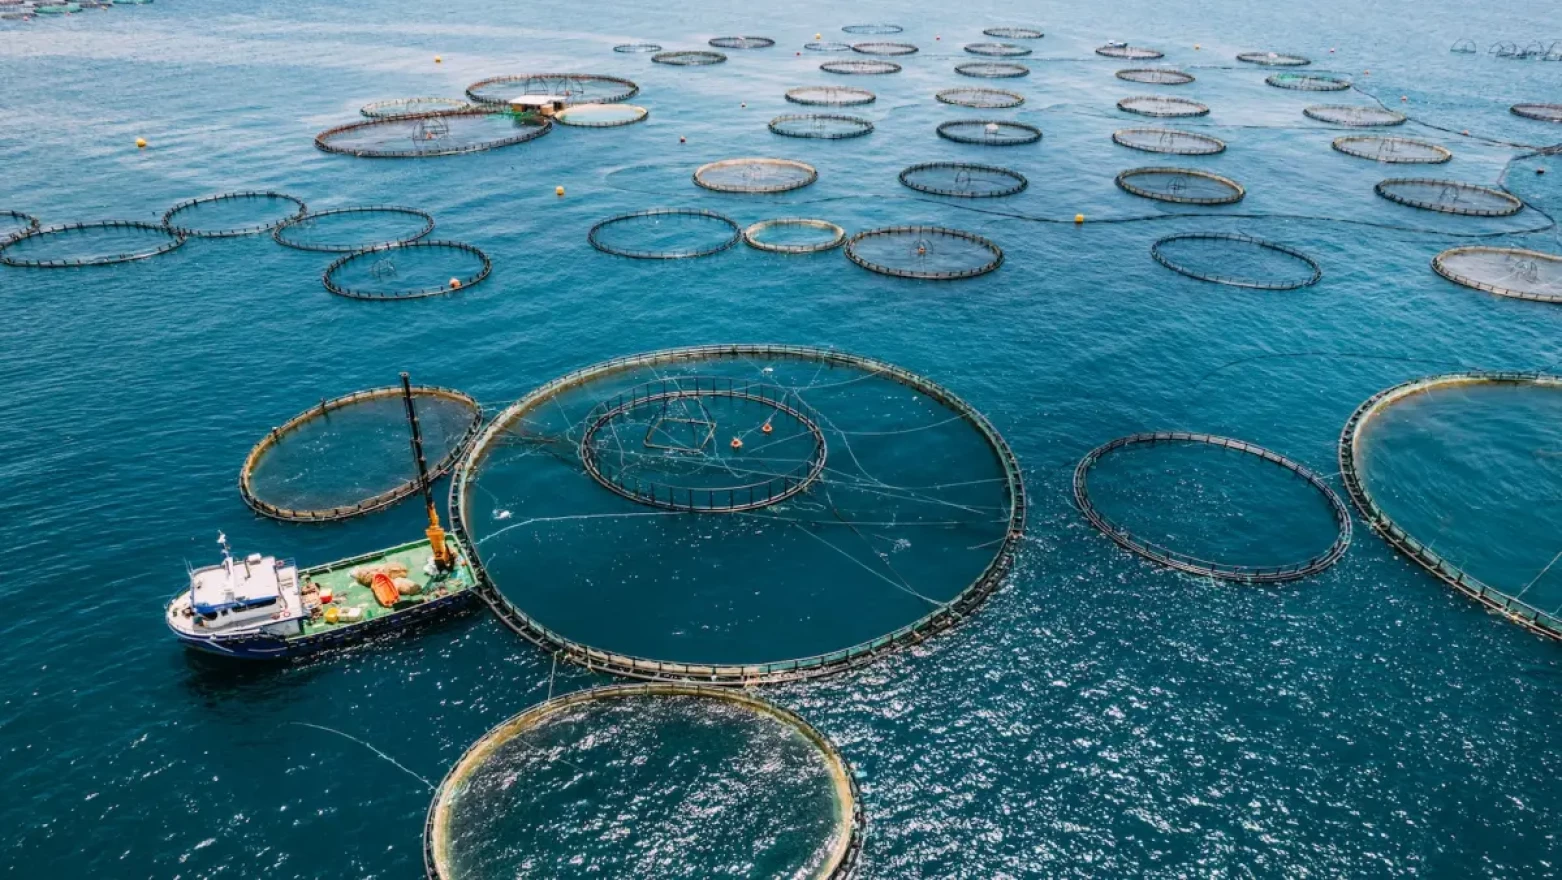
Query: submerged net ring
<point x="1158" y="76"/>
<point x="600" y="115"/>
<point x="1540" y="112"/>
<point x="17" y="224"/>
<point x="963" y="180"/>
<point x="828" y="46"/>
<point x="873" y="29"/>
<point x="860" y="68"/>
<point x="1308" y="82"/>
<point x="924" y="252"/>
<point x="13" y="252"/>
<point x="726" y="233"/>
<point x="1512" y="272"/>
<point x="384" y="273"/>
<point x="837" y="859"/>
<point x="1449" y="197"/>
<point x="986" y="99"/>
<point x="742" y="42"/>
<point x="571" y="88"/>
<point x="287" y="233"/>
<point x="1001" y="50"/>
<point x="1394" y="151"/>
<point x="1223" y="247"/>
<point x="891" y="49"/>
<point x="992" y="70"/>
<point x="1161" y="106"/>
<point x="1168" y="140"/>
<point x="1273" y="59"/>
<point x="830" y="96"/>
<point x="824" y="126"/>
<point x="1354" y="115"/>
<point x="834" y="236"/>
<point x="755" y="175"/>
<point x="1446" y="570"/>
<point x="432" y="134"/>
<point x="689" y="58"/>
<point x="637" y="48"/>
<point x="391" y="396"/>
<point x="397" y="107"/>
<point x="186" y="227"/>
<point x="989" y="132"/>
<point x="1132" y="53"/>
<point x="1247" y="574"/>
<point x="1013" y="33"/>
<point x="1185" y="186"/>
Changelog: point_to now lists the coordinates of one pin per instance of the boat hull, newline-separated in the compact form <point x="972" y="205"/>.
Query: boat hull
<point x="258" y="646"/>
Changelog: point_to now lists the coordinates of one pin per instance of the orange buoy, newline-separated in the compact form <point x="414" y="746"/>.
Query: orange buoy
<point x="455" y="284"/>
<point x="767" y="429"/>
<point x="558" y="190"/>
<point x="736" y="443"/>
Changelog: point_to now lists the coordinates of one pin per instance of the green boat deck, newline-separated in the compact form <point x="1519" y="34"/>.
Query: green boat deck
<point x="348" y="593"/>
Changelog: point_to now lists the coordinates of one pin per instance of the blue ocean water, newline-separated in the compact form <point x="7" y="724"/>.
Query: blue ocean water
<point x="1097" y="717"/>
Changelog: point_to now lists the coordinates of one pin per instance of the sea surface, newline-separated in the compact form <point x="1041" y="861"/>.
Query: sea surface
<point x="1097" y="717"/>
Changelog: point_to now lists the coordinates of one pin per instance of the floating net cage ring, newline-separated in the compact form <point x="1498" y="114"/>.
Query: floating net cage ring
<point x="172" y="240"/>
<point x="381" y="252"/>
<point x="1132" y="53"/>
<point x="989" y="132"/>
<point x="750" y="171"/>
<point x="1170" y="141"/>
<point x="1449" y="197"/>
<point x="1308" y="82"/>
<point x="873" y="29"/>
<point x="412" y="107"/>
<point x="279" y="234"/>
<point x="1001" y="50"/>
<point x="823" y="126"/>
<point x="1013" y="33"/>
<point x="379" y="501"/>
<point x="741" y="42"/>
<point x="171" y="217"/>
<point x="1273" y="59"/>
<point x="1393" y="151"/>
<point x="1233" y="191"/>
<point x="830" y="96"/>
<point x="1160" y="76"/>
<point x="1525" y="274"/>
<point x="966" y="180"/>
<point x="1157" y="105"/>
<point x="463" y="495"/>
<point x="828" y="46"/>
<point x="29" y="224"/>
<point x="992" y="70"/>
<point x="751" y="235"/>
<point x="636" y="48"/>
<point x="1540" y="112"/>
<point x="926" y="240"/>
<point x="1315" y="272"/>
<point x="1354" y="115"/>
<point x="860" y="68"/>
<point x="838" y="864"/>
<point x="601" y="115"/>
<point x="689" y="58"/>
<point x="571" y="88"/>
<point x="986" y="99"/>
<point x="884" y="48"/>
<point x="1247" y="574"/>
<point x="594" y="236"/>
<point x="428" y="136"/>
<point x="1514" y="609"/>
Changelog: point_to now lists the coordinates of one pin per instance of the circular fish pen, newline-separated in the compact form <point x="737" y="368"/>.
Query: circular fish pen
<point x="398" y="107"/>
<point x="1236" y="261"/>
<point x="860" y="68"/>
<point x="15" y="224"/>
<point x="823" y="126"/>
<point x="794" y="235"/>
<point x="828" y="46"/>
<point x="1273" y="59"/>
<point x="1512" y="272"/>
<point x="1161" y="106"/>
<point x="742" y="42"/>
<point x="1168" y="140"/>
<point x="1471" y="447"/>
<point x="929" y="253"/>
<point x="1449" y="197"/>
<point x="1013" y="33"/>
<point x="1156" y="76"/>
<point x="1240" y="572"/>
<point x="407" y="270"/>
<point x="665" y="234"/>
<point x="689" y="58"/>
<point x="1185" y="186"/>
<point x="985" y="99"/>
<point x="1392" y="150"/>
<point x="913" y="521"/>
<point x="345" y="230"/>
<point x="1131" y="53"/>
<point x="642" y="780"/>
<point x="571" y="88"/>
<point x="637" y="48"/>
<point x="989" y="132"/>
<point x="74" y="245"/>
<point x="1539" y="112"/>
<point x="755" y="175"/>
<point x="882" y="48"/>
<point x="963" y="180"/>
<point x="350" y="455"/>
<point x="992" y="70"/>
<point x="830" y="96"/>
<point x="1354" y="115"/>
<point x="999" y="50"/>
<point x="432" y="134"/>
<point x="873" y="29"/>
<point x="1308" y="82"/>
<point x="600" y="115"/>
<point x="233" y="214"/>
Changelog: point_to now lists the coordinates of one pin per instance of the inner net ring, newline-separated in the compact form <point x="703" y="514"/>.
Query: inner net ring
<point x="1449" y="197"/>
<point x="1001" y="50"/>
<point x="730" y="233"/>
<point x="14" y="252"/>
<point x="186" y="227"/>
<point x="18" y="225"/>
<point x="1132" y="53"/>
<point x="1354" y="115"/>
<point x="391" y="397"/>
<point x="1159" y="76"/>
<point x="385" y="275"/>
<point x="830" y="96"/>
<point x="924" y="252"/>
<point x="281" y="234"/>
<point x="1247" y="574"/>
<point x="571" y="88"/>
<point x="755" y="175"/>
<point x="1013" y="33"/>
<point x="397" y="107"/>
<point x="1311" y="275"/>
<point x="753" y="236"/>
<point x="600" y="115"/>
<point x="989" y="132"/>
<point x="836" y="858"/>
<point x="873" y="29"/>
<point x="985" y="99"/>
<point x="824" y="126"/>
<point x="636" y="48"/>
<point x="1539" y="112"/>
<point x="1518" y="273"/>
<point x="689" y="58"/>
<point x="1308" y="82"/>
<point x="891" y="49"/>
<point x="963" y="180"/>
<point x="1186" y="186"/>
<point x="1273" y="59"/>
<point x="432" y="134"/>
<point x="1393" y="151"/>
<point x="828" y="46"/>
<point x="992" y="70"/>
<point x="742" y="42"/>
<point x="1161" y="106"/>
<point x="860" y="68"/>
<point x="1168" y="140"/>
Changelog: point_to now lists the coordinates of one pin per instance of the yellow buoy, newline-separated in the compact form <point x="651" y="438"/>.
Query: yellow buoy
<point x="1079" y="218"/>
<point x="455" y="284"/>
<point x="558" y="190"/>
<point x="1197" y="47"/>
<point x="818" y="36"/>
<point x="438" y="60"/>
<point x="140" y="143"/>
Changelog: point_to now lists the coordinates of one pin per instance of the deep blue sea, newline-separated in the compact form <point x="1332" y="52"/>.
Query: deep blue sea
<point x="1097" y="717"/>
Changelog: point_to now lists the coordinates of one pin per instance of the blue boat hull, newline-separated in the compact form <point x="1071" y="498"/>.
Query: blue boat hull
<point x="267" y="647"/>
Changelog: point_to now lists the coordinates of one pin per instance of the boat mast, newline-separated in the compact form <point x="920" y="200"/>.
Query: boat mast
<point x="436" y="535"/>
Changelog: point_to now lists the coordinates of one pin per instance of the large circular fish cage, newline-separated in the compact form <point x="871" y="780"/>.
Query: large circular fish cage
<point x="992" y="70"/>
<point x="637" y="48"/>
<point x="1449" y="197"/>
<point x="1156" y="76"/>
<point x="432" y="134"/>
<point x="881" y="30"/>
<point x="1518" y="273"/>
<point x="600" y="115"/>
<point x="930" y="253"/>
<point x="828" y="46"/>
<point x="963" y="180"/>
<point x="1354" y="115"/>
<point x="1450" y="572"/>
<point x="674" y="716"/>
<point x="1392" y="150"/>
<point x="741" y="42"/>
<point x="882" y="48"/>
<point x="823" y="126"/>
<point x="407" y="270"/>
<point x="794" y="235"/>
<point x="16" y="225"/>
<point x="1013" y="33"/>
<point x="1169" y="141"/>
<point x="296" y="232"/>
<point x="689" y="58"/>
<point x="1217" y="257"/>
<point x="397" y="107"/>
<point x="103" y="243"/>
<point x="1240" y="573"/>
<point x="1538" y="112"/>
<point x="985" y="99"/>
<point x="571" y="88"/>
<point x="372" y="426"/>
<point x="830" y="96"/>
<point x="755" y="175"/>
<point x="860" y="68"/>
<point x="989" y="132"/>
<point x="185" y="218"/>
<point x="665" y="234"/>
<point x="1273" y="59"/>
<point x="1308" y="82"/>
<point x="997" y="50"/>
<point x="1131" y="53"/>
<point x="1185" y="186"/>
<point x="1162" y="106"/>
<point x="962" y="501"/>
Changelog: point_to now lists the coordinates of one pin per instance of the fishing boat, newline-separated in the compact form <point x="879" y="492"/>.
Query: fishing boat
<point x="263" y="607"/>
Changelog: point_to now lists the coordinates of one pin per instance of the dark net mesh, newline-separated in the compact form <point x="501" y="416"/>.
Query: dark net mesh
<point x="987" y="99"/>
<point x="1159" y="76"/>
<point x="89" y="244"/>
<point x="233" y="214"/>
<point x="1354" y="115"/>
<point x="665" y="234"/>
<point x="824" y="126"/>
<point x="1160" y="106"/>
<point x="1236" y="261"/>
<point x="1450" y="197"/>
<point x="432" y="134"/>
<point x="411" y="270"/>
<point x="1168" y="140"/>
<point x="963" y="180"/>
<point x="1182" y="185"/>
<point x="992" y="70"/>
<point x="344" y="230"/>
<point x="925" y="252"/>
<point x="1394" y="151"/>
<point x="571" y="88"/>
<point x="830" y="96"/>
